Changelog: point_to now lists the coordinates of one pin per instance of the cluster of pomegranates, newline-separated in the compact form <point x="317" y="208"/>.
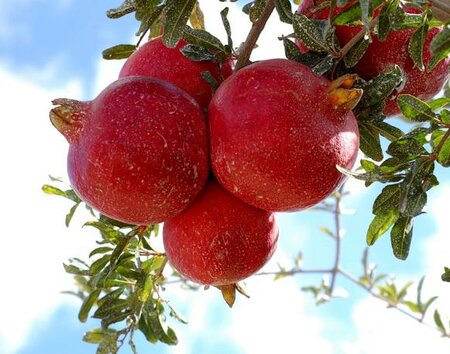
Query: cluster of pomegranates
<point x="158" y="145"/>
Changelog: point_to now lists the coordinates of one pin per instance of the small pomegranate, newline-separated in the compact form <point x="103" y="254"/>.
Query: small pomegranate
<point x="138" y="152"/>
<point x="219" y="240"/>
<point x="278" y="131"/>
<point x="154" y="59"/>
<point x="381" y="55"/>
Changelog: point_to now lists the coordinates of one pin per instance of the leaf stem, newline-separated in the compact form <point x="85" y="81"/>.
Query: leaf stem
<point x="252" y="37"/>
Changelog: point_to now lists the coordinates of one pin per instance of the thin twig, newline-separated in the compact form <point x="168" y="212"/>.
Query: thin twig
<point x="337" y="234"/>
<point x="252" y="37"/>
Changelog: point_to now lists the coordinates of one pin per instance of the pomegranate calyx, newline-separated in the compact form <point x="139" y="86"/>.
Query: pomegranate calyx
<point x="228" y="293"/>
<point x="67" y="117"/>
<point x="342" y="94"/>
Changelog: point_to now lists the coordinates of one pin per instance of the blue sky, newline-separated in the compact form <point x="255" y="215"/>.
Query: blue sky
<point x="52" y="49"/>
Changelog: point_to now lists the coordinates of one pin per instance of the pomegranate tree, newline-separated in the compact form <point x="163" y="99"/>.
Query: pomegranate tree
<point x="278" y="131"/>
<point x="138" y="152"/>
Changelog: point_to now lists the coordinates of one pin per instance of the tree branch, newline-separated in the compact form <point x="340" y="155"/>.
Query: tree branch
<point x="252" y="37"/>
<point x="441" y="9"/>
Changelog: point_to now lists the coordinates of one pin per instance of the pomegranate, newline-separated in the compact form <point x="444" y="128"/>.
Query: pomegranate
<point x="381" y="55"/>
<point x="154" y="59"/>
<point x="219" y="240"/>
<point x="278" y="131"/>
<point x="138" y="152"/>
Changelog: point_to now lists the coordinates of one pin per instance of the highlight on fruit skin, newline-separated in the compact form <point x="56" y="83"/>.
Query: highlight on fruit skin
<point x="154" y="59"/>
<point x="138" y="152"/>
<point x="278" y="131"/>
<point x="219" y="240"/>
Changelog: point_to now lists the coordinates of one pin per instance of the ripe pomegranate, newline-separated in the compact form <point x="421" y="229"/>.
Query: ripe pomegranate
<point x="154" y="59"/>
<point x="219" y="240"/>
<point x="278" y="131"/>
<point x="383" y="54"/>
<point x="394" y="50"/>
<point x="138" y="152"/>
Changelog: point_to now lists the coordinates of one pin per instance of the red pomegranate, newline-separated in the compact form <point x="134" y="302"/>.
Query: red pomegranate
<point x="154" y="59"/>
<point x="277" y="133"/>
<point x="219" y="240"/>
<point x="138" y="152"/>
<point x="381" y="55"/>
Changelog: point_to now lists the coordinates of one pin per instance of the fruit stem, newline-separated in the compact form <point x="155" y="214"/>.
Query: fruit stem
<point x="345" y="49"/>
<point x="68" y="116"/>
<point x="252" y="37"/>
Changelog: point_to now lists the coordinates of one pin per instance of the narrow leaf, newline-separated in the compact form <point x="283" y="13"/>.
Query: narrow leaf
<point x="440" y="48"/>
<point x="415" y="109"/>
<point x="380" y="224"/>
<point x="176" y="14"/>
<point x="309" y="33"/>
<point x="121" y="51"/>
<point x="87" y="305"/>
<point x="284" y="10"/>
<point x="401" y="235"/>
<point x="416" y="44"/>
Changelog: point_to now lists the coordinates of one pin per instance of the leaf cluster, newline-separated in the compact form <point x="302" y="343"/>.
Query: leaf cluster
<point x="121" y="283"/>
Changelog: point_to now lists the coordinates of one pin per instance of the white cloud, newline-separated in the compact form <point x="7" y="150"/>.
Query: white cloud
<point x="35" y="241"/>
<point x="383" y="330"/>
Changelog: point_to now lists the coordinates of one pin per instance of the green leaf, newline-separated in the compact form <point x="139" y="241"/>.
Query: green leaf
<point x="150" y="324"/>
<point x="175" y="314"/>
<point x="387" y="200"/>
<point x="107" y="231"/>
<point x="438" y="322"/>
<point x="227" y="26"/>
<point x="196" y="53"/>
<point x="405" y="148"/>
<point x="87" y="305"/>
<point x="440" y="48"/>
<point x="416" y="44"/>
<point x="370" y="142"/>
<point x="401" y="235"/>
<point x="69" y="216"/>
<point x="53" y="190"/>
<point x="384" y="23"/>
<point x="446" y="275"/>
<point x="380" y="87"/>
<point x="120" y="51"/>
<point x="380" y="224"/>
<point x="124" y="9"/>
<point x="100" y="250"/>
<point x="95" y="336"/>
<point x="72" y="269"/>
<point x="176" y="14"/>
<point x="284" y="10"/>
<point x="148" y="16"/>
<point x="309" y="33"/>
<point x="97" y="266"/>
<point x="444" y="152"/>
<point x="256" y="10"/>
<point x="412" y="196"/>
<point x="356" y="52"/>
<point x="204" y="39"/>
<point x="111" y="306"/>
<point x="291" y="51"/>
<point x="415" y="109"/>
<point x="145" y="290"/>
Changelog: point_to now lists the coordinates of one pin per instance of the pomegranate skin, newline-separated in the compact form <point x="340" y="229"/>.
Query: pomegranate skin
<point x="140" y="155"/>
<point x="381" y="55"/>
<point x="218" y="239"/>
<point x="276" y="138"/>
<point x="154" y="59"/>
